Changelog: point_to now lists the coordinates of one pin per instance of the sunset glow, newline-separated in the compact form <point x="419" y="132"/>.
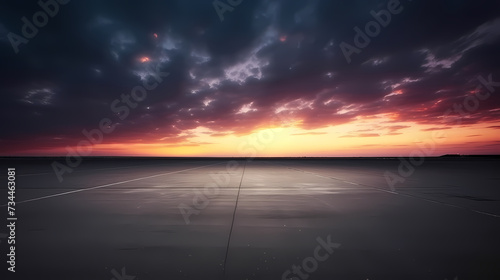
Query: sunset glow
<point x="213" y="88"/>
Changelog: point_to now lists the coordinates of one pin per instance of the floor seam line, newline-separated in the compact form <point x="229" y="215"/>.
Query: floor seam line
<point x="108" y="185"/>
<point x="232" y="222"/>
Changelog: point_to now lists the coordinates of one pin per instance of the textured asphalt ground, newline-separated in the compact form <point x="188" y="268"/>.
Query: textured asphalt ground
<point x="336" y="219"/>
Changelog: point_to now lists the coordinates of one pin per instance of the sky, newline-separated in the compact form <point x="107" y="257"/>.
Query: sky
<point x="250" y="78"/>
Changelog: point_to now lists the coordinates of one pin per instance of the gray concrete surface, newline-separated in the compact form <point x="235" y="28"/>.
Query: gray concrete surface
<point x="441" y="223"/>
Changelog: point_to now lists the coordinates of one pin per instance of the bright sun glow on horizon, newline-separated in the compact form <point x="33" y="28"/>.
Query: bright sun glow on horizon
<point x="358" y="138"/>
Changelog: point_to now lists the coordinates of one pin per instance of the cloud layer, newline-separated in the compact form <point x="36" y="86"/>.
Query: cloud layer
<point x="266" y="59"/>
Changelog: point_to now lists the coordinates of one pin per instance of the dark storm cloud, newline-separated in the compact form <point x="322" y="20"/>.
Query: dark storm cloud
<point x="266" y="58"/>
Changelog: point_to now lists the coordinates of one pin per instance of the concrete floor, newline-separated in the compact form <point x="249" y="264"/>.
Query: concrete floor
<point x="122" y="219"/>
